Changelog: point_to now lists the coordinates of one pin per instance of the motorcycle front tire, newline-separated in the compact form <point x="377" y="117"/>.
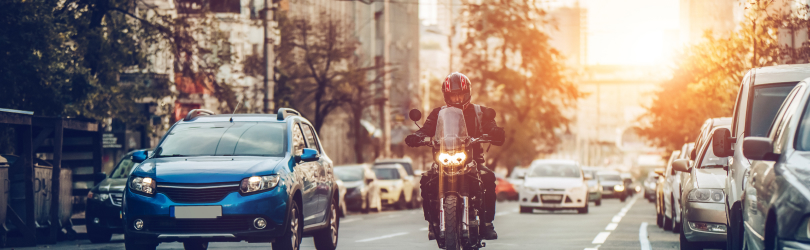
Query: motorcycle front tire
<point x="452" y="233"/>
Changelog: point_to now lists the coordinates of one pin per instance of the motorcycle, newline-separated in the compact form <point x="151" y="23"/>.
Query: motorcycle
<point x="459" y="193"/>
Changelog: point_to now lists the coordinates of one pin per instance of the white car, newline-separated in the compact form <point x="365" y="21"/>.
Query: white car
<point x="554" y="185"/>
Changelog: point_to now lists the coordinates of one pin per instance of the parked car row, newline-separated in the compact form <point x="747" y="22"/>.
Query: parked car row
<point x="743" y="183"/>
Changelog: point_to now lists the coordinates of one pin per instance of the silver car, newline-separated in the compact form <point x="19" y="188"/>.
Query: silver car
<point x="703" y="199"/>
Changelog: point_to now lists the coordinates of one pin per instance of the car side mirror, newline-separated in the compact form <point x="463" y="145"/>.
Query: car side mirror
<point x="721" y="142"/>
<point x="759" y="148"/>
<point x="310" y="155"/>
<point x="139" y="156"/>
<point x="415" y="115"/>
<point x="99" y="177"/>
<point x="681" y="165"/>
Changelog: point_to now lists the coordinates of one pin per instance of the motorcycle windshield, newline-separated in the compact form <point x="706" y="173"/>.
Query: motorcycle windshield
<point x="451" y="131"/>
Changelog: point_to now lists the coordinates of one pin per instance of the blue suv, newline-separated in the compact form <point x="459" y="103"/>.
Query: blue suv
<point x="243" y="177"/>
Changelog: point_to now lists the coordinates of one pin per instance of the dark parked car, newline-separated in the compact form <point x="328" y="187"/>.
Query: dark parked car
<point x="362" y="192"/>
<point x="244" y="177"/>
<point x="104" y="202"/>
<point x="762" y="92"/>
<point x="612" y="185"/>
<point x="776" y="201"/>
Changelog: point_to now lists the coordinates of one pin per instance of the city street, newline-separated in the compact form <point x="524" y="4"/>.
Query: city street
<point x="614" y="225"/>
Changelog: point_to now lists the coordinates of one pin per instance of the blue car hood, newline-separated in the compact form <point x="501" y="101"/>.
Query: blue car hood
<point x="207" y="169"/>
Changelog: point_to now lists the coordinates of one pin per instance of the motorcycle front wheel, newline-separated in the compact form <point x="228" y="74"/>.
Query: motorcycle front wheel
<point x="452" y="233"/>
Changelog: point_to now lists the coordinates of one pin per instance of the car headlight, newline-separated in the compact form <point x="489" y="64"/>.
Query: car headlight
<point x="452" y="160"/>
<point x="530" y="189"/>
<point x="638" y="189"/>
<point x="707" y="195"/>
<point x="576" y="189"/>
<point x="144" y="185"/>
<point x="618" y="188"/>
<point x="258" y="183"/>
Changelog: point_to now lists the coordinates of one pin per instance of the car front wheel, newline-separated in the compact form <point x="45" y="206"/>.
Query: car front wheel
<point x="291" y="240"/>
<point x="327" y="239"/>
<point x="98" y="235"/>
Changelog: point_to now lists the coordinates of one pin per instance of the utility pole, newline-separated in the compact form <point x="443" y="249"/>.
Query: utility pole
<point x="269" y="56"/>
<point x="386" y="110"/>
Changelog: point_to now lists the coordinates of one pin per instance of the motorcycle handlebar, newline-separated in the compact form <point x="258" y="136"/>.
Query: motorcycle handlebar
<point x="483" y="139"/>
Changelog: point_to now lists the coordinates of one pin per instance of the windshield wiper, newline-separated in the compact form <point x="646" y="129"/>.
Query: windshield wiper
<point x="713" y="166"/>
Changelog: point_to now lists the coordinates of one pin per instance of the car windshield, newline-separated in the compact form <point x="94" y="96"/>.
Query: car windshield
<point x="767" y="101"/>
<point x="803" y="134"/>
<point x="349" y="174"/>
<point x="610" y="177"/>
<point x="224" y="138"/>
<point x="554" y="170"/>
<point x="712" y="161"/>
<point x="123" y="168"/>
<point x="387" y="173"/>
<point x="517" y="173"/>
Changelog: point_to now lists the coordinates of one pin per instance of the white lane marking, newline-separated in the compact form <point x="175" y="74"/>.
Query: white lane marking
<point x="394" y="215"/>
<point x="611" y="226"/>
<point x="423" y="229"/>
<point x="600" y="238"/>
<point x="383" y="237"/>
<point x="593" y="248"/>
<point x="643" y="238"/>
<point x="515" y="210"/>
<point x="616" y="219"/>
<point x="350" y="220"/>
<point x="502" y="213"/>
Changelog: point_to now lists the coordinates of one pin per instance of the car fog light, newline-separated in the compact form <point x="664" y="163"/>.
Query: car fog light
<point x="96" y="220"/>
<point x="259" y="223"/>
<point x="707" y="227"/>
<point x="138" y="225"/>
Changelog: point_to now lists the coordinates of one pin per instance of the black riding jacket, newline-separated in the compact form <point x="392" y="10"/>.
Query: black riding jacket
<point x="429" y="128"/>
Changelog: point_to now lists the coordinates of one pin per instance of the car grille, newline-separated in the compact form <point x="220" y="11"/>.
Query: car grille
<point x="185" y="193"/>
<point x="607" y="189"/>
<point x="117" y="198"/>
<point x="222" y="224"/>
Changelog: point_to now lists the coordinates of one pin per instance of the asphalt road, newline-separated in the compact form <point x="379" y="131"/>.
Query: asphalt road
<point x="614" y="225"/>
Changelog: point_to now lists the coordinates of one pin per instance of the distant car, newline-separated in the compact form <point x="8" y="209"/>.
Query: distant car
<point x="516" y="178"/>
<point x="612" y="184"/>
<point x="776" y="200"/>
<point x="649" y="186"/>
<point x="627" y="179"/>
<point x="362" y="189"/>
<point x="104" y="201"/>
<point x="396" y="189"/>
<point x="505" y="190"/>
<point x="594" y="186"/>
<point x="242" y="177"/>
<point x="703" y="200"/>
<point x="407" y="164"/>
<point x="554" y="185"/>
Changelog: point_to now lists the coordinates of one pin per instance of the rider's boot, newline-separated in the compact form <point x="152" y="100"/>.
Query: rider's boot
<point x="431" y="235"/>
<point x="488" y="232"/>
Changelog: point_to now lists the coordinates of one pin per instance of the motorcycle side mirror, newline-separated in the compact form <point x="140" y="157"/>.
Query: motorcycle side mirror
<point x="489" y="114"/>
<point x="415" y="115"/>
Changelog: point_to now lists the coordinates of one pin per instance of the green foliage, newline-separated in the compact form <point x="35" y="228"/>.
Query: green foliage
<point x="514" y="70"/>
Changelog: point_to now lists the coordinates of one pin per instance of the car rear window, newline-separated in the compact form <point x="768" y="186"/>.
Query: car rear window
<point x="766" y="102"/>
<point x="387" y="173"/>
<point x="225" y="139"/>
<point x="610" y="177"/>
<point x="554" y="170"/>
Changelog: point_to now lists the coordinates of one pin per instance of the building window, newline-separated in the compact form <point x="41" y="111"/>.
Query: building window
<point x="225" y="6"/>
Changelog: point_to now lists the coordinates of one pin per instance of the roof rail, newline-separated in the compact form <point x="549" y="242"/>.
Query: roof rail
<point x="194" y="113"/>
<point x="283" y="113"/>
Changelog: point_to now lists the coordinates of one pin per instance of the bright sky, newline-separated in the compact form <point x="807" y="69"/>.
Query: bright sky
<point x="631" y="31"/>
<point x="627" y="32"/>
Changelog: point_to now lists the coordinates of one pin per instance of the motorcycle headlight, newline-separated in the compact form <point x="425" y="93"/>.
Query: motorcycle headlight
<point x="258" y="183"/>
<point x="143" y="185"/>
<point x="452" y="160"/>
<point x="618" y="188"/>
<point x="707" y="195"/>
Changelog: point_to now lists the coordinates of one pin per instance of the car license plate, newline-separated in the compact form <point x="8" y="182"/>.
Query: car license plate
<point x="552" y="197"/>
<point x="196" y="212"/>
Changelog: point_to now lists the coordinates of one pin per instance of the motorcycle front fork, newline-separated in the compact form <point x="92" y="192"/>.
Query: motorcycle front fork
<point x="465" y="220"/>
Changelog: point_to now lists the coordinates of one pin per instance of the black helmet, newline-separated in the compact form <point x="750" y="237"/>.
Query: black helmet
<point x="456" y="90"/>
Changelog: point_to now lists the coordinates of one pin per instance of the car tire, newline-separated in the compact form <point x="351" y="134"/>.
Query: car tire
<point x="598" y="202"/>
<point x="659" y="219"/>
<point x="667" y="223"/>
<point x="97" y="235"/>
<point x="138" y="245"/>
<point x="291" y="240"/>
<point x="734" y="237"/>
<point x="327" y="239"/>
<point x="501" y="197"/>
<point x="686" y="245"/>
<point x="195" y="245"/>
<point x="415" y="201"/>
<point x="402" y="204"/>
<point x="676" y="227"/>
<point x="622" y="198"/>
<point x="526" y="210"/>
<point x="583" y="210"/>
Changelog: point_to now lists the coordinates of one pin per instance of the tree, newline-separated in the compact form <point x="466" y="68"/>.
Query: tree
<point x="514" y="70"/>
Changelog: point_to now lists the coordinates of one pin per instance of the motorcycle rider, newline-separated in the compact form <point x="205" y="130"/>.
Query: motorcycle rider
<point x="456" y="90"/>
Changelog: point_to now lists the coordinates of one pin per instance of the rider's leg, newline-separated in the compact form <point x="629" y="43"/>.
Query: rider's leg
<point x="428" y="193"/>
<point x="488" y="215"/>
